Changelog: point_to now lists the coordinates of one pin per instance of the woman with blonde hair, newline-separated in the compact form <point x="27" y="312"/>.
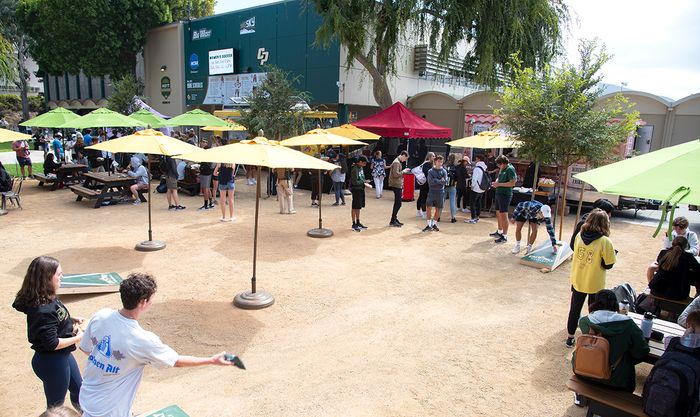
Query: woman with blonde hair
<point x="594" y="254"/>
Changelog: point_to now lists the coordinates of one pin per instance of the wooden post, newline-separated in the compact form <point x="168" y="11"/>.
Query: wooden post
<point x="563" y="200"/>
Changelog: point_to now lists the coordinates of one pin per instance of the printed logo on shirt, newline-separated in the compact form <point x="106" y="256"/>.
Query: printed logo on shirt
<point x="61" y="312"/>
<point x="104" y="347"/>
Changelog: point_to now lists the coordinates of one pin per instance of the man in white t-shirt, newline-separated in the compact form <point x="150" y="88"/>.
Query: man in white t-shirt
<point x="119" y="349"/>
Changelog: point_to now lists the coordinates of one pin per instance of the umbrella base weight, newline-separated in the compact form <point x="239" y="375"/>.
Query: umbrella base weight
<point x="150" y="245"/>
<point x="320" y="232"/>
<point x="253" y="300"/>
<point x="3" y="212"/>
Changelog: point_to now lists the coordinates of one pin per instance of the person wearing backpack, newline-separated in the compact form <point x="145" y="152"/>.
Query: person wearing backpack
<point x="481" y="182"/>
<point x="627" y="346"/>
<point x="678" y="367"/>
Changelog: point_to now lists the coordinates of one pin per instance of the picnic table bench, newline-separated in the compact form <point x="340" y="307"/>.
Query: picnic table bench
<point x="43" y="179"/>
<point x="604" y="401"/>
<point x="66" y="174"/>
<point x="105" y="187"/>
<point x="189" y="187"/>
<point x="675" y="307"/>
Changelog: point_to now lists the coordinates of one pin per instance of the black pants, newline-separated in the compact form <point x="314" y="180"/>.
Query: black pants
<point x="314" y="186"/>
<point x="397" y="203"/>
<point x="60" y="373"/>
<point x="462" y="197"/>
<point x="577" y="299"/>
<point x="475" y="204"/>
<point x="422" y="197"/>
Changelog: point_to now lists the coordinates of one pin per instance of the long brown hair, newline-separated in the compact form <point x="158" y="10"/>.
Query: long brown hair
<point x="597" y="221"/>
<point x="670" y="259"/>
<point x="36" y="287"/>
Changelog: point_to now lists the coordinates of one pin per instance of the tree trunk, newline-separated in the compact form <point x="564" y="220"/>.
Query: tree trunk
<point x="380" y="88"/>
<point x="565" y="179"/>
<point x="22" y="76"/>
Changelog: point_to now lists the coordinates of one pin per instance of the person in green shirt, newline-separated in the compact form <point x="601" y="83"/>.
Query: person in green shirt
<point x="504" y="193"/>
<point x="357" y="187"/>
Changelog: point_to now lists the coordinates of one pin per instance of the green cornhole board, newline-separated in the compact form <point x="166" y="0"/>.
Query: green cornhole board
<point x="169" y="411"/>
<point x="543" y="257"/>
<point x="90" y="283"/>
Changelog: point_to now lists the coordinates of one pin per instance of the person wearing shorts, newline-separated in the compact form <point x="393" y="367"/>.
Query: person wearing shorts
<point x="139" y="172"/>
<point x="357" y="187"/>
<point x="226" y="187"/>
<point x="437" y="179"/>
<point x="21" y="149"/>
<point x="504" y="194"/>
<point x="205" y="172"/>
<point x="535" y="213"/>
<point x="171" y="184"/>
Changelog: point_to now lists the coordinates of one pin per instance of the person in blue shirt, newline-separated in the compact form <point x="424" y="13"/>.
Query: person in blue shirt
<point x="58" y="146"/>
<point x="87" y="137"/>
<point x="534" y="213"/>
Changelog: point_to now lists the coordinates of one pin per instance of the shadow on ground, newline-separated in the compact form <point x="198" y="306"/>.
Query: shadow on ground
<point x="100" y="259"/>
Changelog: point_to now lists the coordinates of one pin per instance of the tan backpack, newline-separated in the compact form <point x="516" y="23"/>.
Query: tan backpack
<point x="593" y="356"/>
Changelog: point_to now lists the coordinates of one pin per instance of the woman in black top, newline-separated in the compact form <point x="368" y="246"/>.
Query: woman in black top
<point x="677" y="271"/>
<point x="51" y="331"/>
<point x="50" y="164"/>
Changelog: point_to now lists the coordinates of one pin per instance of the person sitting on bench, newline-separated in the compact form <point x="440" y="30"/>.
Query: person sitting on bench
<point x="674" y="271"/>
<point x="51" y="166"/>
<point x="627" y="344"/>
<point x="680" y="227"/>
<point x="139" y="172"/>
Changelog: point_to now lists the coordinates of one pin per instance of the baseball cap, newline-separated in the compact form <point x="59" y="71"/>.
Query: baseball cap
<point x="546" y="211"/>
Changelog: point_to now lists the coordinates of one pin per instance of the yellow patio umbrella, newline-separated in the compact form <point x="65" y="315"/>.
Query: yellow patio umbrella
<point x="320" y="137"/>
<point x="490" y="139"/>
<point x="150" y="142"/>
<point x="261" y="152"/>
<point x="232" y="127"/>
<point x="353" y="132"/>
<point x="11" y="136"/>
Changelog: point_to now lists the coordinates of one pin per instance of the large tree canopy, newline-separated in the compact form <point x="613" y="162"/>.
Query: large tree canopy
<point x="373" y="32"/>
<point x="100" y="37"/>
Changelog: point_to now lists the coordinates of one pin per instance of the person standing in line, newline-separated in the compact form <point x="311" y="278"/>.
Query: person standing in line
<point x="504" y="194"/>
<point x="51" y="330"/>
<point x="21" y="148"/>
<point x="338" y="178"/>
<point x="378" y="168"/>
<point x="451" y="188"/>
<point x="119" y="349"/>
<point x="171" y="184"/>
<point x="423" y="189"/>
<point x="87" y="137"/>
<point x="226" y="187"/>
<point x="437" y="179"/>
<point x="534" y="213"/>
<point x="462" y="184"/>
<point x="285" y="191"/>
<point x="477" y="194"/>
<point x="206" y="170"/>
<point x="594" y="254"/>
<point x="57" y="144"/>
<point x="396" y="172"/>
<point x="357" y="187"/>
<point x="214" y="176"/>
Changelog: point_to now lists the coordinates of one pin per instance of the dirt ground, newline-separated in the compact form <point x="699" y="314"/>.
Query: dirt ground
<point x="387" y="322"/>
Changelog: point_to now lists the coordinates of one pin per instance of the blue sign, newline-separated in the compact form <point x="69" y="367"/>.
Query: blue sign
<point x="194" y="63"/>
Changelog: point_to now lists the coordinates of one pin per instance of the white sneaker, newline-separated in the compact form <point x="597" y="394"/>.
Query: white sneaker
<point x="516" y="250"/>
<point x="223" y="219"/>
<point x="422" y="214"/>
<point x="464" y="210"/>
<point x="419" y="213"/>
<point x="529" y="249"/>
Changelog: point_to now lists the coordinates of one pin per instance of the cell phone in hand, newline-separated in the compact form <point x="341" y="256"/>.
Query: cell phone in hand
<point x="235" y="360"/>
<point x="657" y="336"/>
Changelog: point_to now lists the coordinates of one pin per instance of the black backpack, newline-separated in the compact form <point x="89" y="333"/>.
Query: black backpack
<point x="5" y="181"/>
<point x="485" y="182"/>
<point x="672" y="388"/>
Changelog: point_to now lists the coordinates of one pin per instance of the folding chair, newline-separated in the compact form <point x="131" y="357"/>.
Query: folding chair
<point x="13" y="195"/>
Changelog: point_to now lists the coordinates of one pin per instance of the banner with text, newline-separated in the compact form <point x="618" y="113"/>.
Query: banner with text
<point x="220" y="89"/>
<point x="221" y="61"/>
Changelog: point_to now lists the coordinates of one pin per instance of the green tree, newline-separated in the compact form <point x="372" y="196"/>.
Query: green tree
<point x="373" y="32"/>
<point x="7" y="60"/>
<point x="125" y="89"/>
<point x="19" y="47"/>
<point x="272" y="106"/>
<point x="100" y="37"/>
<point x="557" y="116"/>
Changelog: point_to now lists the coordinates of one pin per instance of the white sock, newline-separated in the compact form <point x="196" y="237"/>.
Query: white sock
<point x="500" y="231"/>
<point x="517" y="243"/>
<point x="430" y="222"/>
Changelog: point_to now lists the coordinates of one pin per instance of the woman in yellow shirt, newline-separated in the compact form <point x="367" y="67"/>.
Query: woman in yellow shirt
<point x="593" y="256"/>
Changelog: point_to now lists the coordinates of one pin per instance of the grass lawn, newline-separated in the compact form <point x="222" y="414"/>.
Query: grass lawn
<point x="6" y="147"/>
<point x="13" y="169"/>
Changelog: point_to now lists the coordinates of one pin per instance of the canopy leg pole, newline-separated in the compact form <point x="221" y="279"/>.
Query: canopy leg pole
<point x="254" y="299"/>
<point x="150" y="245"/>
<point x="320" y="232"/>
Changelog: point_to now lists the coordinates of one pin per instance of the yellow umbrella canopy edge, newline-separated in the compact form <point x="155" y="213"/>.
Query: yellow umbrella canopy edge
<point x="320" y="137"/>
<point x="147" y="141"/>
<point x="485" y="140"/>
<point x="7" y="135"/>
<point x="353" y="132"/>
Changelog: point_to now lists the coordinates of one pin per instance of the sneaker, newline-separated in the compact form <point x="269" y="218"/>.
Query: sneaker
<point x="223" y="219"/>
<point x="343" y="203"/>
<point x="292" y="212"/>
<point x="579" y="400"/>
<point x="232" y="219"/>
<point x="516" y="250"/>
<point x="465" y="210"/>
<point x="427" y="229"/>
<point x="171" y="207"/>
<point x="528" y="249"/>
<point x="362" y="226"/>
<point x="178" y="207"/>
<point x="398" y="222"/>
<point x="335" y="204"/>
<point x="419" y="213"/>
<point x="356" y="228"/>
<point x="136" y="202"/>
<point x="501" y="239"/>
<point x="422" y="214"/>
<point x="435" y="228"/>
<point x="495" y="234"/>
<point x="471" y="221"/>
<point x="453" y="220"/>
<point x="204" y="207"/>
<point x="394" y="223"/>
<point x="570" y="342"/>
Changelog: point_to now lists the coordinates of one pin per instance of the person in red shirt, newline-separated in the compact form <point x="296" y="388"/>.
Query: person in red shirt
<point x="21" y="148"/>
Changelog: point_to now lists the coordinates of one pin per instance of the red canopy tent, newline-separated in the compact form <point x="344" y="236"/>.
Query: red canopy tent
<point x="398" y="121"/>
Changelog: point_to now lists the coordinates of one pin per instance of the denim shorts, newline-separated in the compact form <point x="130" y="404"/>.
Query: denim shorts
<point x="24" y="162"/>
<point x="502" y="202"/>
<point x="227" y="186"/>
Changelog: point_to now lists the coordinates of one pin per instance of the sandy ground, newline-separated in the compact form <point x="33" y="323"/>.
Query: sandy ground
<point x="387" y="322"/>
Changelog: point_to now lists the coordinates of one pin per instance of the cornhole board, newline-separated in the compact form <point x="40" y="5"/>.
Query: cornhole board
<point x="543" y="257"/>
<point x="169" y="411"/>
<point x="89" y="283"/>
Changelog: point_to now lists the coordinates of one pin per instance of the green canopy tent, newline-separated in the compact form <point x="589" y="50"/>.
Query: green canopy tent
<point x="51" y="119"/>
<point x="152" y="120"/>
<point x="668" y="174"/>
<point x="103" y="118"/>
<point x="197" y="118"/>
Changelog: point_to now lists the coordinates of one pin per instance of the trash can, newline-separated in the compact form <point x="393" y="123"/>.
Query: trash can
<point x="409" y="187"/>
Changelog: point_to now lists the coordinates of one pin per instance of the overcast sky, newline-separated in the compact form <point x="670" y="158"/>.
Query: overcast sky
<point x="655" y="45"/>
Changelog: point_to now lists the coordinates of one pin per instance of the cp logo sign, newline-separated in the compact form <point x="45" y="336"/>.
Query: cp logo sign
<point x="263" y="55"/>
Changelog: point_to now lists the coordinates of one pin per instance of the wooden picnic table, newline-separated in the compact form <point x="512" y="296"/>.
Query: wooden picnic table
<point x="66" y="174"/>
<point x="666" y="327"/>
<point x="105" y="187"/>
